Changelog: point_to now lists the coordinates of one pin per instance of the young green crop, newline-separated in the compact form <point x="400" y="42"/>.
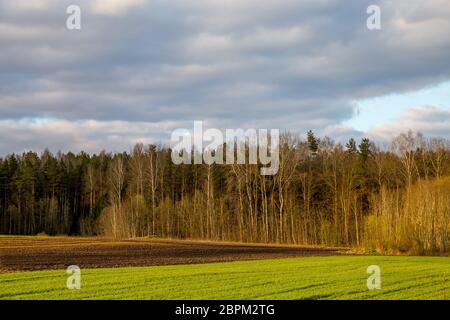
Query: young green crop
<point x="340" y="277"/>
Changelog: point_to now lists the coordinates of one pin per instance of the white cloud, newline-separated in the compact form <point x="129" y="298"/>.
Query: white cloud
<point x="113" y="7"/>
<point x="429" y="120"/>
<point x="89" y="136"/>
<point x="20" y="5"/>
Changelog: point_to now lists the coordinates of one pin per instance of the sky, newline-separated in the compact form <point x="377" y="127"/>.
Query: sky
<point x="137" y="70"/>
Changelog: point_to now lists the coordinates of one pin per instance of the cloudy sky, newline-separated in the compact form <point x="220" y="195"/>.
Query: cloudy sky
<point x="139" y="69"/>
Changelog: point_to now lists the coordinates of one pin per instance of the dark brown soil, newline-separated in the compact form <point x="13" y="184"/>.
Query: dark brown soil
<point x="41" y="253"/>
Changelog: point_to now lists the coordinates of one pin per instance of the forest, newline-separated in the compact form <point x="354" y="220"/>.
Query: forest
<point x="394" y="199"/>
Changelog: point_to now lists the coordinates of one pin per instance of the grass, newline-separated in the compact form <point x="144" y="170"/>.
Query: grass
<point x="339" y="277"/>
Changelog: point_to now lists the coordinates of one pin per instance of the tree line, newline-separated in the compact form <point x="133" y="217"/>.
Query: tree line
<point x="393" y="199"/>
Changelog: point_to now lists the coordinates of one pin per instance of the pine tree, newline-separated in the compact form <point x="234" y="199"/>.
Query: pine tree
<point x="313" y="142"/>
<point x="365" y="149"/>
<point x="351" y="146"/>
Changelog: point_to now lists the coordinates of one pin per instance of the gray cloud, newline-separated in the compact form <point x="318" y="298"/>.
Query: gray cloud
<point x="288" y="64"/>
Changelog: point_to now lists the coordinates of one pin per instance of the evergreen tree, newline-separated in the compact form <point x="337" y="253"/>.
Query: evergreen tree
<point x="351" y="146"/>
<point x="365" y="149"/>
<point x="313" y="142"/>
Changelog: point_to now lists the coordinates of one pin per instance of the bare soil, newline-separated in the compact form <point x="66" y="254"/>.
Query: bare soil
<point x="43" y="253"/>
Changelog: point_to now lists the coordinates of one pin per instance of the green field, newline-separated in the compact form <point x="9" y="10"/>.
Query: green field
<point x="339" y="277"/>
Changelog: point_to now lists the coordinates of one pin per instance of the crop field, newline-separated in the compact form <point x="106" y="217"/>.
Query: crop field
<point x="43" y="253"/>
<point x="338" y="277"/>
<point x="35" y="268"/>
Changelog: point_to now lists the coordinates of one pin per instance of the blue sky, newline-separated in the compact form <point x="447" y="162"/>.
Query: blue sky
<point x="374" y="111"/>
